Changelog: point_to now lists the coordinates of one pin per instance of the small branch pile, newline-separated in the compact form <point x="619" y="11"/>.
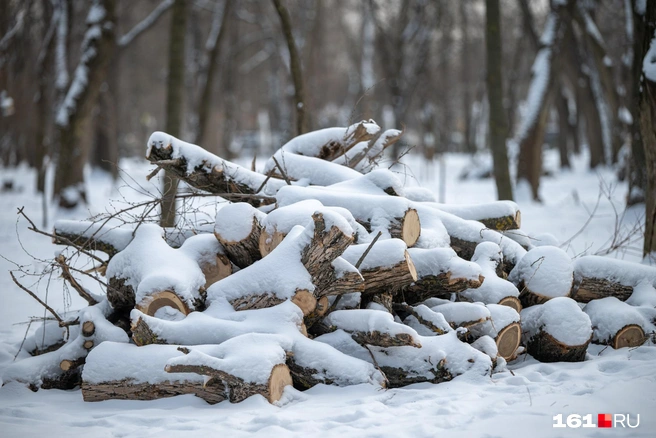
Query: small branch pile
<point x="329" y="271"/>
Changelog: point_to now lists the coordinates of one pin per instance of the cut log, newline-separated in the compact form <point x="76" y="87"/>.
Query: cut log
<point x="70" y="364"/>
<point x="320" y="310"/>
<point x="439" y="274"/>
<point x="238" y="227"/>
<point x="494" y="290"/>
<point x="260" y="369"/>
<point x="616" y="323"/>
<point x="600" y="277"/>
<point x="280" y="222"/>
<point x="210" y="255"/>
<point x="88" y="345"/>
<point x="373" y="327"/>
<point x="387" y="267"/>
<point x="466" y="315"/>
<point x="148" y="266"/>
<point x="498" y="216"/>
<point x="536" y="272"/>
<point x="364" y="157"/>
<point x="504" y="327"/>
<point x="110" y="374"/>
<point x="152" y="303"/>
<point x="422" y="319"/>
<point x="198" y="328"/>
<point x="205" y="171"/>
<point x="91" y="236"/>
<point x="556" y="331"/>
<point x="88" y="328"/>
<point x="394" y="216"/>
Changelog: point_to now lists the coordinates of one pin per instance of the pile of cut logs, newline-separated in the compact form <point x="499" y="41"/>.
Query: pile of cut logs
<point x="327" y="271"/>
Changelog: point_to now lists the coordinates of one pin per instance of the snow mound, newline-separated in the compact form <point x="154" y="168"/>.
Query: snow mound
<point x="561" y="317"/>
<point x="545" y="270"/>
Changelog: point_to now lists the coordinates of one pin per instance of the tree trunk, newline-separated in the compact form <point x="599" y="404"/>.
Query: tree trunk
<point x="174" y="101"/>
<point x="295" y="67"/>
<point x="647" y="111"/>
<point x="497" y="116"/>
<point x="564" y="129"/>
<point x="75" y="113"/>
<point x="470" y="147"/>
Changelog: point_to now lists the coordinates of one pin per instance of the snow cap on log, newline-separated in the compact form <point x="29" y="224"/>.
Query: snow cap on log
<point x="238" y="227"/>
<point x="461" y="314"/>
<point x="557" y="330"/>
<point x="616" y="323"/>
<point x="599" y="277"/>
<point x="210" y="256"/>
<point x="204" y="170"/>
<point x="378" y="182"/>
<point x="499" y="215"/>
<point x="373" y="327"/>
<point x="92" y="236"/>
<point x="543" y="273"/>
<point x="148" y="265"/>
<point x="494" y="289"/>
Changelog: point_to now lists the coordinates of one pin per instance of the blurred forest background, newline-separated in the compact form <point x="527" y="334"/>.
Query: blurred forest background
<point x="87" y="81"/>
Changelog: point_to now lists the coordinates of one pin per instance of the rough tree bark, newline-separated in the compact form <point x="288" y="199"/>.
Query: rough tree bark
<point x="75" y="113"/>
<point x="647" y="117"/>
<point x="295" y="67"/>
<point x="174" y="101"/>
<point x="497" y="116"/>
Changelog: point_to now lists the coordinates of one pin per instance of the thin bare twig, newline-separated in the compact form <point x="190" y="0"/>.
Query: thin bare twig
<point x="33" y="295"/>
<point x="284" y="175"/>
<point x="66" y="274"/>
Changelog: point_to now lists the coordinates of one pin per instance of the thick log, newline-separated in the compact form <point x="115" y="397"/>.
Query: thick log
<point x="587" y="289"/>
<point x="387" y="267"/>
<point x="508" y="340"/>
<point x="373" y="327"/>
<point x="435" y="275"/>
<point x="205" y="171"/>
<point x="71" y="364"/>
<point x="406" y="227"/>
<point x="210" y="255"/>
<point x="422" y="318"/>
<point x="152" y="303"/>
<point x="238" y="227"/>
<point x="129" y="390"/>
<point x="498" y="216"/>
<point x="556" y="331"/>
<point x="616" y="323"/>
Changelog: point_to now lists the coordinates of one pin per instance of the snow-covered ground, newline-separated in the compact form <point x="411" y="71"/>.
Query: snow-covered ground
<point x="582" y="210"/>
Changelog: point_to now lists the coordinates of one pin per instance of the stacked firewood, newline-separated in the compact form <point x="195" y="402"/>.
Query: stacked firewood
<point x="328" y="271"/>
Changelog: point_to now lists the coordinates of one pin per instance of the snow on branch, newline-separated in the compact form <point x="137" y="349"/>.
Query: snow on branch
<point x="145" y="24"/>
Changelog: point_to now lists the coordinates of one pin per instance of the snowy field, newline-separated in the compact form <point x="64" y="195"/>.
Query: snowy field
<point x="582" y="210"/>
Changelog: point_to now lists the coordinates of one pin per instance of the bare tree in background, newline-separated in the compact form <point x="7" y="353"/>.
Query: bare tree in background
<point x="497" y="116"/>
<point x="647" y="112"/>
<point x="295" y="67"/>
<point x="74" y="114"/>
<point x="174" y="101"/>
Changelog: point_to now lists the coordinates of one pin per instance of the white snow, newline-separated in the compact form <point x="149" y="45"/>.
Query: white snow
<point x="613" y="270"/>
<point x="488" y="255"/>
<point x="439" y="260"/>
<point x="234" y="222"/>
<point x="149" y="264"/>
<point x="462" y="313"/>
<point x="365" y="320"/>
<point x="649" y="63"/>
<point x="561" y="317"/>
<point x="384" y="253"/>
<point x="609" y="315"/>
<point x="545" y="270"/>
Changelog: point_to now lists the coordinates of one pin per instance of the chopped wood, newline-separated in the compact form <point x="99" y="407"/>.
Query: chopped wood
<point x="441" y="285"/>
<point x="237" y="389"/>
<point x="546" y="348"/>
<point x="631" y="335"/>
<point x="587" y="289"/>
<point x="245" y="251"/>
<point x="151" y="304"/>
<point x="70" y="364"/>
<point x="508" y="340"/>
<point x="126" y="389"/>
<point x="512" y="302"/>
<point x="88" y="328"/>
<point x="88" y="345"/>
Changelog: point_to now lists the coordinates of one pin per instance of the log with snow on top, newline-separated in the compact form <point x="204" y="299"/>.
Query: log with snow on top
<point x="543" y="273"/>
<point x="387" y="267"/>
<point x="503" y="327"/>
<point x="390" y="214"/>
<point x="210" y="256"/>
<point x="494" y="290"/>
<point x="600" y="277"/>
<point x="439" y="359"/>
<point x="61" y="368"/>
<point x="238" y="228"/>
<point x="303" y="268"/>
<point x="277" y="224"/>
<point x="127" y="372"/>
<point x="465" y="315"/>
<point x="499" y="215"/>
<point x="556" y="331"/>
<point x="373" y="327"/>
<point x="150" y="274"/>
<point x="329" y="143"/>
<point x="206" y="171"/>
<point x="247" y="365"/>
<point x="440" y="272"/>
<point x="364" y="156"/>
<point x="422" y="319"/>
<point x="217" y="324"/>
<point x="616" y="323"/>
<point x="91" y="236"/>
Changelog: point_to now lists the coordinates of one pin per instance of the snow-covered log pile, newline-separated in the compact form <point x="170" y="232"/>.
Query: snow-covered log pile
<point x="324" y="270"/>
